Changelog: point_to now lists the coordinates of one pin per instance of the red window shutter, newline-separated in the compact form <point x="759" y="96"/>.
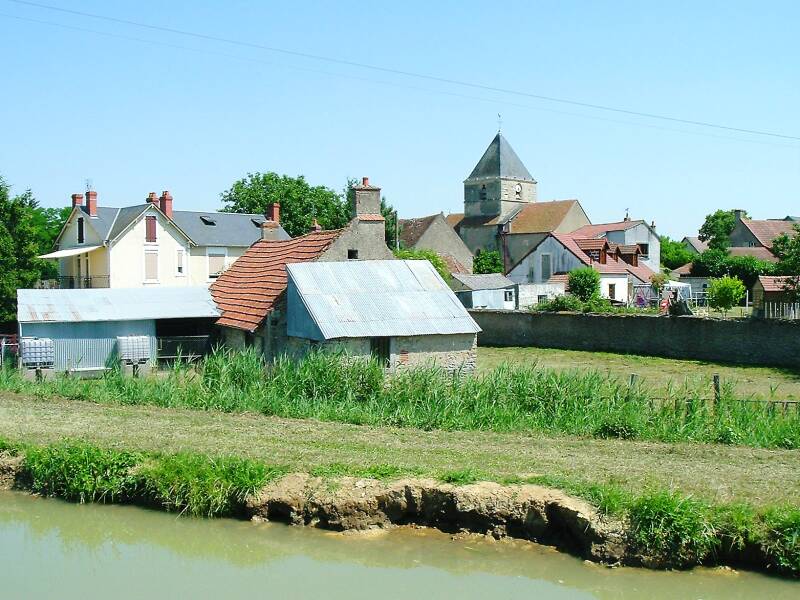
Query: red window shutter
<point x="150" y="233"/>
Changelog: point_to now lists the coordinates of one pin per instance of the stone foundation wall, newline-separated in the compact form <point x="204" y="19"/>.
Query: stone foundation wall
<point x="747" y="341"/>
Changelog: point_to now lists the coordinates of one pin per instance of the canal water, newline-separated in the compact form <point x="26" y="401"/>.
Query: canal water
<point x="51" y="549"/>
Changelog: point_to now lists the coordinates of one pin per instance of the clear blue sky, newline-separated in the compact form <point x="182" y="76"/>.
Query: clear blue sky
<point x="139" y="116"/>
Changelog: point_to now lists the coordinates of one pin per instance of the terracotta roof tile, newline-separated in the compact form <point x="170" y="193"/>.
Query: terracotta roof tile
<point x="766" y="231"/>
<point x="629" y="249"/>
<point x="412" y="229"/>
<point x="371" y="218"/>
<point x="454" y="219"/>
<point x="757" y="251"/>
<point x="247" y="291"/>
<point x="591" y="244"/>
<point x="453" y="265"/>
<point x="772" y="283"/>
<point x="541" y="217"/>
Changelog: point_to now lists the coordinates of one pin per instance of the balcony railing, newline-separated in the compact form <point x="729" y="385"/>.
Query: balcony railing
<point x="70" y="282"/>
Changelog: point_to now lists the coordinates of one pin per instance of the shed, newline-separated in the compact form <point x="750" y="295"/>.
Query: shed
<point x="491" y="290"/>
<point x="84" y="324"/>
<point x="400" y="311"/>
<point x="771" y="296"/>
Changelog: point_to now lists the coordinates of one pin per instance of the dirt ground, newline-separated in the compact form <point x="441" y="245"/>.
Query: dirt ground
<point x="762" y="382"/>
<point x="715" y="472"/>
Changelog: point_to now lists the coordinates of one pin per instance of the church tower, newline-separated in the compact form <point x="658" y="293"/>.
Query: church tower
<point x="499" y="183"/>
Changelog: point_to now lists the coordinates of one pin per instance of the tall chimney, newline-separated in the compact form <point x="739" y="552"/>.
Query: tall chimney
<point x="737" y="213"/>
<point x="367" y="199"/>
<point x="274" y="213"/>
<point x="152" y="198"/>
<point x="165" y="203"/>
<point x="91" y="203"/>
<point x="269" y="231"/>
<point x="77" y="200"/>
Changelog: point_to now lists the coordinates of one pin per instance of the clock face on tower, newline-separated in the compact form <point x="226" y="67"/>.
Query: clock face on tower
<point x="518" y="188"/>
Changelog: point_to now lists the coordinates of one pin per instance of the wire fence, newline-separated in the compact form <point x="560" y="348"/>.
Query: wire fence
<point x="9" y="348"/>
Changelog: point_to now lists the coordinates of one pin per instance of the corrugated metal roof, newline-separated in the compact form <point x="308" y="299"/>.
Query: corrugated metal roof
<point x="490" y="281"/>
<point x="114" y="304"/>
<point x="379" y="298"/>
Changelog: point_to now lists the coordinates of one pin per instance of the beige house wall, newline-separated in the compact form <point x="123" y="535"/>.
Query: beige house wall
<point x="198" y="262"/>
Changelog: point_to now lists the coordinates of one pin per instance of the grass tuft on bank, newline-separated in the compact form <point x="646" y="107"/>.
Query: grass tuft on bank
<point x="665" y="527"/>
<point x="509" y="398"/>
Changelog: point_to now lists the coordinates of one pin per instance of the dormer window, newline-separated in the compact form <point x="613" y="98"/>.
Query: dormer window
<point x="81" y="231"/>
<point x="208" y="221"/>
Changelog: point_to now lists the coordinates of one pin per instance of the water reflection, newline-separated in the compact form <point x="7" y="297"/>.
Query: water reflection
<point x="54" y="549"/>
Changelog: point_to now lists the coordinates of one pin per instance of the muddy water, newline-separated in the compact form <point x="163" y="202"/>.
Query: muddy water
<point x="50" y="549"/>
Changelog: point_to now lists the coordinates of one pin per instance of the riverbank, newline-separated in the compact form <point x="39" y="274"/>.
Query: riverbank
<point x="657" y="527"/>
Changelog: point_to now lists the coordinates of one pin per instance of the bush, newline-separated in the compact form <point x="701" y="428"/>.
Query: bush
<point x="487" y="261"/>
<point x="725" y="293"/>
<point x="584" y="283"/>
<point x="562" y="303"/>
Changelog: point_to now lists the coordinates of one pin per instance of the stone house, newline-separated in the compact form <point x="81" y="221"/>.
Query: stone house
<point x="753" y="233"/>
<point x="399" y="311"/>
<point x="435" y="233"/>
<point x="501" y="207"/>
<point x="149" y="244"/>
<point x="251" y="294"/>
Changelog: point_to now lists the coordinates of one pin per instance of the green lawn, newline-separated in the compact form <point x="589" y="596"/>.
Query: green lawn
<point x="657" y="373"/>
<point x="718" y="473"/>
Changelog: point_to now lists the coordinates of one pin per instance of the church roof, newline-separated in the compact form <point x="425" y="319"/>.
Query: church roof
<point x="500" y="160"/>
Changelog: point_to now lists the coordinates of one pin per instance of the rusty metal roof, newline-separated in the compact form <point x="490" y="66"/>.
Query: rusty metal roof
<point x="114" y="304"/>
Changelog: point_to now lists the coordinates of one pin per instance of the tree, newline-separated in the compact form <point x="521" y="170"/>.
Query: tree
<point x="424" y="254"/>
<point x="724" y="293"/>
<point x="710" y="263"/>
<point x="20" y="241"/>
<point x="300" y="202"/>
<point x="717" y="228"/>
<point x="716" y="263"/>
<point x="658" y="280"/>
<point x="487" y="261"/>
<point x="673" y="254"/>
<point x="584" y="283"/>
<point x="787" y="249"/>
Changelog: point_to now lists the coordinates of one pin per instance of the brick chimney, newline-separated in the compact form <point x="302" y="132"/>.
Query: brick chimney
<point x="367" y="199"/>
<point x="91" y="203"/>
<point x="315" y="226"/>
<point x="165" y="203"/>
<point x="77" y="200"/>
<point x="152" y="198"/>
<point x="273" y="213"/>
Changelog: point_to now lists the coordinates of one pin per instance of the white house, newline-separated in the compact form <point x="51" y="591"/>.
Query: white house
<point x="492" y="290"/>
<point x="625" y="233"/>
<point x="151" y="244"/>
<point x="560" y="253"/>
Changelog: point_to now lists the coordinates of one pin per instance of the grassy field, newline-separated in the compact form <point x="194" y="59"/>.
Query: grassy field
<point x="657" y="373"/>
<point x="717" y="473"/>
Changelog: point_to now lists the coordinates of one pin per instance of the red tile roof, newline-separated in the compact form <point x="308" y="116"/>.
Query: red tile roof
<point x="684" y="270"/>
<point x="630" y="249"/>
<point x="612" y="267"/>
<point x="453" y="265"/>
<point x="641" y="272"/>
<point x="541" y="217"/>
<point x="454" y="219"/>
<point x="247" y="291"/>
<point x="772" y="283"/>
<point x="592" y="231"/>
<point x="757" y="251"/>
<point x="370" y="218"/>
<point x="766" y="231"/>
<point x="413" y="229"/>
<point x="591" y="244"/>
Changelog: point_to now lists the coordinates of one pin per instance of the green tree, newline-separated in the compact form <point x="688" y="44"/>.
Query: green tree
<point x="658" y="280"/>
<point x="710" y="263"/>
<point x="716" y="263"/>
<point x="19" y="247"/>
<point x="424" y="254"/>
<point x="717" y="228"/>
<point x="724" y="293"/>
<point x="787" y="249"/>
<point x="673" y="253"/>
<point x="487" y="261"/>
<point x="300" y="202"/>
<point x="584" y="283"/>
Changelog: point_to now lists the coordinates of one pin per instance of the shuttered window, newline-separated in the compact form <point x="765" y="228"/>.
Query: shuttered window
<point x="81" y="233"/>
<point x="216" y="264"/>
<point x="151" y="266"/>
<point x="150" y="229"/>
<point x="179" y="262"/>
<point x="546" y="269"/>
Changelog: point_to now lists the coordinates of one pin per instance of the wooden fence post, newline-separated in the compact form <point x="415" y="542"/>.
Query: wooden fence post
<point x="717" y="392"/>
<point x="632" y="380"/>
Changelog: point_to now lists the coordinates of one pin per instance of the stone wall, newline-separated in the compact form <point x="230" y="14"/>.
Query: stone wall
<point x="746" y="341"/>
<point x="451" y="352"/>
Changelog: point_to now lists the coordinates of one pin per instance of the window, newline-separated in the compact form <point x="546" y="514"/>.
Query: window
<point x="541" y="298"/>
<point x="546" y="269"/>
<point x="483" y="193"/>
<point x="216" y="264"/>
<point x="379" y="348"/>
<point x="612" y="291"/>
<point x="81" y="232"/>
<point x="151" y="266"/>
<point x="352" y="254"/>
<point x="179" y="265"/>
<point x="150" y="229"/>
<point x="508" y="296"/>
<point x="645" y="248"/>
